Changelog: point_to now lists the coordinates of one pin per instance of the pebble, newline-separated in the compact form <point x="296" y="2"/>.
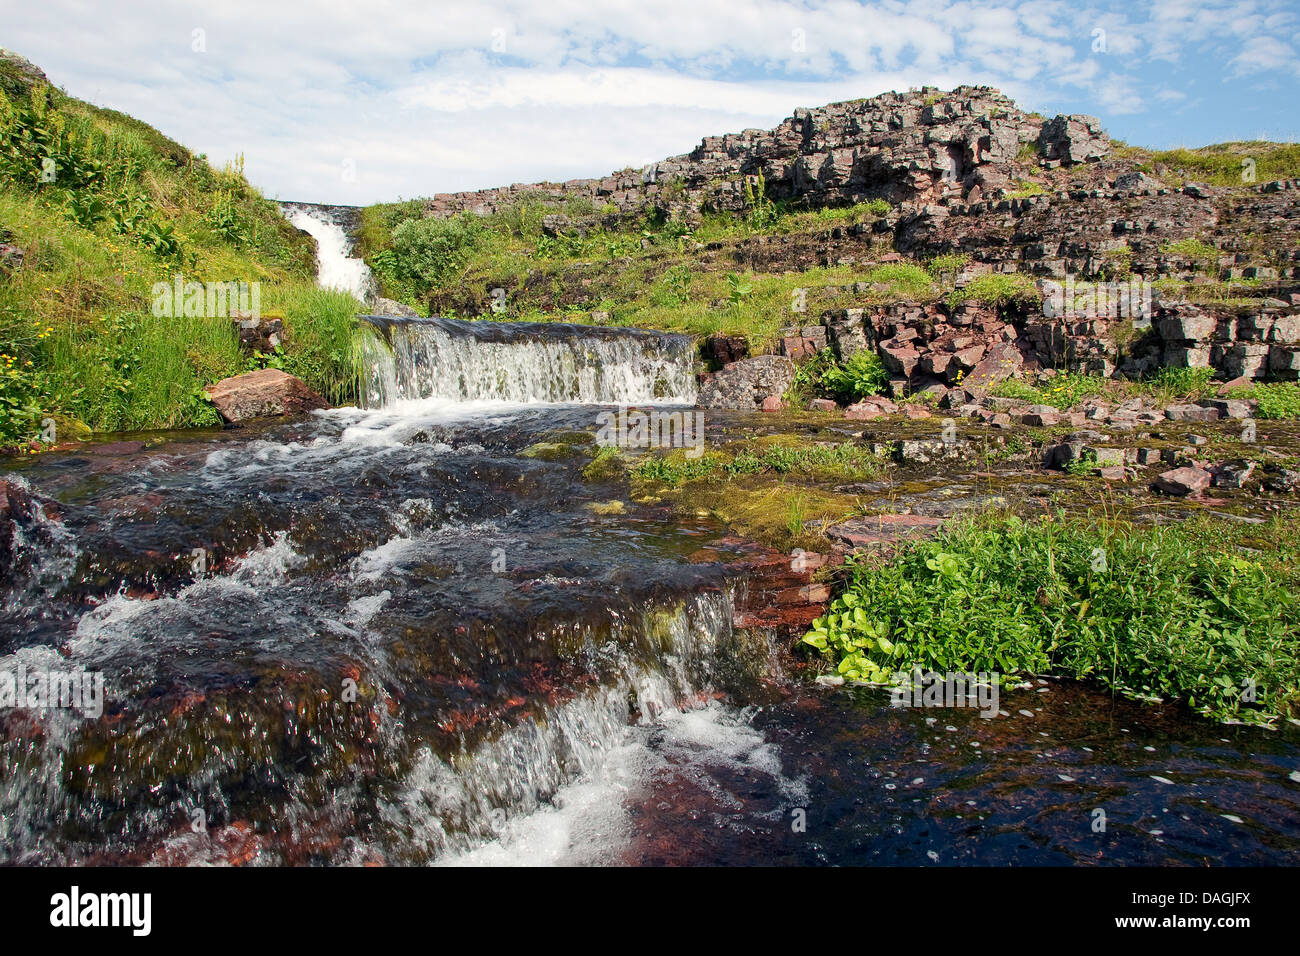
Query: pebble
<point x="1162" y="780"/>
<point x="1066" y="777"/>
<point x="1234" y="819"/>
<point x="1027" y="713"/>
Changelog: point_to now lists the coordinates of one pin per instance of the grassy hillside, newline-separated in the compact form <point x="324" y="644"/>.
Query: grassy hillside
<point x="103" y="207"/>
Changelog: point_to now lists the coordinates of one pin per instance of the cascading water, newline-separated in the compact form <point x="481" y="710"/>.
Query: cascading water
<point x="527" y="362"/>
<point x="335" y="267"/>
<point x="394" y="634"/>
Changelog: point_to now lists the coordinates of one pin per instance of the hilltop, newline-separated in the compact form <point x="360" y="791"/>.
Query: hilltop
<point x="894" y="223"/>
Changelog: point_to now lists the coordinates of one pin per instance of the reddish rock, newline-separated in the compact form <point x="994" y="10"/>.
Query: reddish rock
<point x="823" y="405"/>
<point x="900" y="360"/>
<point x="1192" y="413"/>
<point x="263" y="393"/>
<point x="1183" y="481"/>
<point x="863" y="412"/>
<point x="796" y="346"/>
<point x="1001" y="361"/>
<point x="772" y="403"/>
<point x="916" y="412"/>
<point x="725" y="349"/>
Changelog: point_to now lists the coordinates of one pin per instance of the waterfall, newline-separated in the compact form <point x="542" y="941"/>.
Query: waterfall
<point x="335" y="266"/>
<point x="527" y="362"/>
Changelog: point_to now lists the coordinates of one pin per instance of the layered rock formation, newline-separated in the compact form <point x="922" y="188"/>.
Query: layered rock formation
<point x="967" y="173"/>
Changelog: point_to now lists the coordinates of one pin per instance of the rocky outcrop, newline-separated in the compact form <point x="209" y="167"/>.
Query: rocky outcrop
<point x="18" y="74"/>
<point x="918" y="147"/>
<point x="745" y="384"/>
<point x="264" y="393"/>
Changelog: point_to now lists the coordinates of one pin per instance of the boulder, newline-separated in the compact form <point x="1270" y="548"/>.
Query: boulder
<point x="1192" y="413"/>
<point x="725" y="349"/>
<point x="264" y="393"/>
<point x="745" y="384"/>
<point x="1073" y="139"/>
<point x="1001" y="361"/>
<point x="1188" y="480"/>
<point x="384" y="306"/>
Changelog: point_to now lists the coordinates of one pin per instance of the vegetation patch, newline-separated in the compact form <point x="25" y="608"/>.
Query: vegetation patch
<point x="1196" y="612"/>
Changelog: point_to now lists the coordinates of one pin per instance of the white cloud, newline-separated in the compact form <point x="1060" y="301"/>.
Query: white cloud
<point x="433" y="97"/>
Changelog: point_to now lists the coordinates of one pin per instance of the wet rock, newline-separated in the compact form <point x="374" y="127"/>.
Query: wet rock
<point x="744" y="384"/>
<point x="1188" y="480"/>
<point x="264" y="393"/>
<point x="383" y="306"/>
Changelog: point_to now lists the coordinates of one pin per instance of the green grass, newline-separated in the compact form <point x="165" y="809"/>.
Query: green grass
<point x="1221" y="164"/>
<point x="1193" y="249"/>
<point x="1194" y="612"/>
<point x="127" y="208"/>
<point x="1277" y="400"/>
<point x="847" y="461"/>
<point x="1064" y="391"/>
<point x="998" y="289"/>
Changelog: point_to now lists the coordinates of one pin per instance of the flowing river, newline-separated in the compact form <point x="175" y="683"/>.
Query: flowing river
<point x="394" y="634"/>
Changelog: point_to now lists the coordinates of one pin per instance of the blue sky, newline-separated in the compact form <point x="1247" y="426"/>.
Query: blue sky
<point x="356" y="101"/>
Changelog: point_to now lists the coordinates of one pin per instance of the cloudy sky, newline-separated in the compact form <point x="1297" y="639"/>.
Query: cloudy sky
<point x="356" y="101"/>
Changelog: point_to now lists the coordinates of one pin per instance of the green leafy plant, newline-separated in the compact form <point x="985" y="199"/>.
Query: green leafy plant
<point x="1183" y="611"/>
<point x="862" y="375"/>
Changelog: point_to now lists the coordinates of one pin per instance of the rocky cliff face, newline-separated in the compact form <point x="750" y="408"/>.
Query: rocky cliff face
<point x="914" y="147"/>
<point x="968" y="173"/>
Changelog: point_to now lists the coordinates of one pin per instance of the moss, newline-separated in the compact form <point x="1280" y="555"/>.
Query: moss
<point x="549" y="451"/>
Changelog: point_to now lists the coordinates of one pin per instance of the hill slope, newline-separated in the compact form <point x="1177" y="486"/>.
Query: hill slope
<point x="96" y="209"/>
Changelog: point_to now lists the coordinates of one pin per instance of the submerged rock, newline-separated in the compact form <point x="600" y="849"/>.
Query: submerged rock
<point x="264" y="393"/>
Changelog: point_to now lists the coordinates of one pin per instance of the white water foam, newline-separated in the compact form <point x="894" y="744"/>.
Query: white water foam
<point x="335" y="267"/>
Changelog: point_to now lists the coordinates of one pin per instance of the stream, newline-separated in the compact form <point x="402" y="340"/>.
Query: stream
<point x="395" y="634"/>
